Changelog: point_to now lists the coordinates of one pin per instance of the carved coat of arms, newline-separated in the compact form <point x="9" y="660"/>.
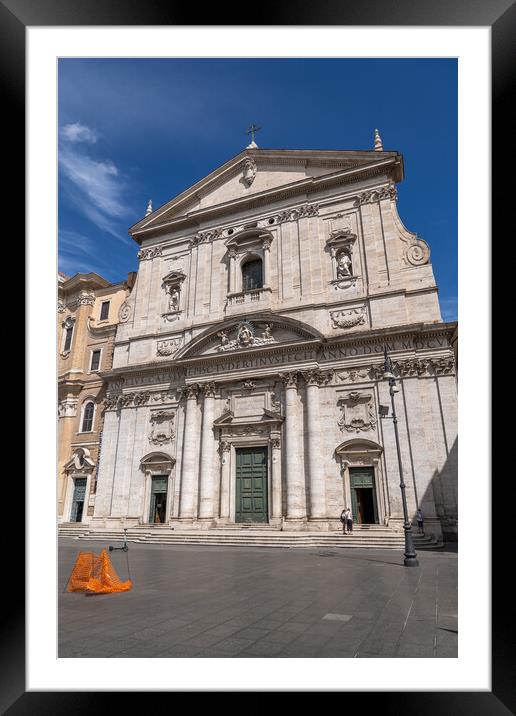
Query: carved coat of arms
<point x="357" y="412"/>
<point x="162" y="422"/>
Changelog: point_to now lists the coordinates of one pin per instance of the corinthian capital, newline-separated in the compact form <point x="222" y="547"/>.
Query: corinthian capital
<point x="190" y="391"/>
<point x="317" y="377"/>
<point x="289" y="379"/>
<point x="208" y="389"/>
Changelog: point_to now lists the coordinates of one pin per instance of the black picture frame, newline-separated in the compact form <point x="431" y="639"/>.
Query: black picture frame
<point x="500" y="16"/>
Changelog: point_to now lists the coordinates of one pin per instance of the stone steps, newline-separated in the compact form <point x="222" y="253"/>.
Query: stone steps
<point x="376" y="539"/>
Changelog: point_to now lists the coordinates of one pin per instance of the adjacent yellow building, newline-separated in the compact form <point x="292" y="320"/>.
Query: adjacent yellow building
<point x="88" y="312"/>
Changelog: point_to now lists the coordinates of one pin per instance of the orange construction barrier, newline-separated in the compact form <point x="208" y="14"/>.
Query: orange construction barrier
<point x="94" y="574"/>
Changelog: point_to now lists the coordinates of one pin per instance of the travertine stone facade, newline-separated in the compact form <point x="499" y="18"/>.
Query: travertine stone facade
<point x="82" y="330"/>
<point x="265" y="296"/>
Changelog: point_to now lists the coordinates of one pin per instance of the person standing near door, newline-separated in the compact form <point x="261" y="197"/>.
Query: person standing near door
<point x="349" y="521"/>
<point x="343" y="519"/>
<point x="419" y="518"/>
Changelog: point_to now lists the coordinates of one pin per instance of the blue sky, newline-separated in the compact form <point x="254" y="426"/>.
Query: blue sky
<point x="131" y="130"/>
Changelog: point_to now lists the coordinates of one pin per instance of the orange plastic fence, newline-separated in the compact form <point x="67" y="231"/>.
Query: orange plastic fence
<point x="94" y="574"/>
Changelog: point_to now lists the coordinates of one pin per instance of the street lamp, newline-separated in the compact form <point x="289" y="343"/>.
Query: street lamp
<point x="410" y="552"/>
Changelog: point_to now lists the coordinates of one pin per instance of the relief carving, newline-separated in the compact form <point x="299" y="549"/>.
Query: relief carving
<point x="348" y="318"/>
<point x="150" y="253"/>
<point x="357" y="412"/>
<point x="246" y="337"/>
<point x="162" y="427"/>
<point x="169" y="347"/>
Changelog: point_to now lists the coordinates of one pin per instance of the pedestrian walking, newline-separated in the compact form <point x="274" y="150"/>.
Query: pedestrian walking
<point x="420" y="520"/>
<point x="343" y="519"/>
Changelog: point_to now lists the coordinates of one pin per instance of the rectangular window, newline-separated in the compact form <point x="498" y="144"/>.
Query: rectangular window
<point x="95" y="360"/>
<point x="104" y="310"/>
<point x="68" y="339"/>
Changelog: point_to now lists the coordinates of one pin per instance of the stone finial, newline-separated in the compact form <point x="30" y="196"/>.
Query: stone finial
<point x="378" y="146"/>
<point x="149" y="208"/>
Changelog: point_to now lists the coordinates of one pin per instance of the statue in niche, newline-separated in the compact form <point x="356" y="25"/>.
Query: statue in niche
<point x="267" y="332"/>
<point x="343" y="265"/>
<point x="173" y="302"/>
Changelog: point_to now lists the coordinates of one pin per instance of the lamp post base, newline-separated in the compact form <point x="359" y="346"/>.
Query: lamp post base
<point x="410" y="561"/>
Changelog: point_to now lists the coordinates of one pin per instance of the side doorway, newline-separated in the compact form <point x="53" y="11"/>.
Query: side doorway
<point x="364" y="503"/>
<point x="158" y="500"/>
<point x="79" y="496"/>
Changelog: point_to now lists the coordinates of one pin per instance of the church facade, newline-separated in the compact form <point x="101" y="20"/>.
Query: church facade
<point x="247" y="372"/>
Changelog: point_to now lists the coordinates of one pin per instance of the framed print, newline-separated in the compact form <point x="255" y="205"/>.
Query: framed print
<point x="39" y="40"/>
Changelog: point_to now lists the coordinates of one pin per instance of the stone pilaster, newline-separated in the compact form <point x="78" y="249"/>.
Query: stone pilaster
<point x="296" y="500"/>
<point x="225" y="451"/>
<point x="206" y="482"/>
<point x="276" y="476"/>
<point x="314" y="379"/>
<point x="187" y="505"/>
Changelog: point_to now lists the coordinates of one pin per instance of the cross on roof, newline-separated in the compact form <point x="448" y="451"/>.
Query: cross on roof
<point x="251" y="130"/>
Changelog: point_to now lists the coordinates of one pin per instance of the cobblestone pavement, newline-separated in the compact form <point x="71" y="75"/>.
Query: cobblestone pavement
<point x="193" y="601"/>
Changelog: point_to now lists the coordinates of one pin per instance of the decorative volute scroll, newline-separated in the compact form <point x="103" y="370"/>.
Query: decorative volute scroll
<point x="124" y="312"/>
<point x="416" y="251"/>
<point x="357" y="412"/>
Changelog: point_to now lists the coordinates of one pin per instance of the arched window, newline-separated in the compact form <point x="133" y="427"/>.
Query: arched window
<point x="252" y="275"/>
<point x="87" y="417"/>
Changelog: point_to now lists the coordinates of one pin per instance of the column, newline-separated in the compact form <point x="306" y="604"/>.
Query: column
<point x="313" y="379"/>
<point x="187" y="505"/>
<point x="276" y="475"/>
<point x="206" y="484"/>
<point x="225" y="451"/>
<point x="296" y="500"/>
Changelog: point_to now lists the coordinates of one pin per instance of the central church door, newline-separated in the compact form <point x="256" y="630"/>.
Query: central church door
<point x="251" y="485"/>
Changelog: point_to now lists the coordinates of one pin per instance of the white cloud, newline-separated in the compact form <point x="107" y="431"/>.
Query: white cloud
<point x="78" y="132"/>
<point x="94" y="186"/>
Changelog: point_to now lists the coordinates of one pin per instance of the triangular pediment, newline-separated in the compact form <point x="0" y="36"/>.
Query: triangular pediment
<point x="259" y="171"/>
<point x="249" y="333"/>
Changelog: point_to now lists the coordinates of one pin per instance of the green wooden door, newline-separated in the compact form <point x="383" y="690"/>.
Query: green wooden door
<point x="79" y="495"/>
<point x="362" y="479"/>
<point x="251" y="485"/>
<point x="158" y="501"/>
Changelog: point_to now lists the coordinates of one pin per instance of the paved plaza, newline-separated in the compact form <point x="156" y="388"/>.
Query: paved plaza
<point x="195" y="601"/>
